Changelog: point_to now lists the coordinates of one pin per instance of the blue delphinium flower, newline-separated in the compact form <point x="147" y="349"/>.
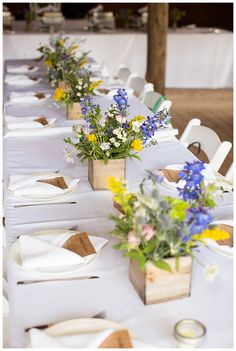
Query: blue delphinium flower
<point x="87" y="105"/>
<point x="198" y="219"/>
<point x="153" y="123"/>
<point x="193" y="177"/>
<point x="121" y="99"/>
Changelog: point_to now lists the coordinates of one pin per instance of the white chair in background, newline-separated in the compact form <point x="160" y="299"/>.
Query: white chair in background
<point x="152" y="100"/>
<point x="165" y="105"/>
<point x="136" y="83"/>
<point x="208" y="141"/>
<point x="230" y="173"/>
<point x="148" y="88"/>
<point x="122" y="73"/>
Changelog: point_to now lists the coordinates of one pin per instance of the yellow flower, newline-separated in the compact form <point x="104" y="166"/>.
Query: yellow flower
<point x="48" y="62"/>
<point x="83" y="62"/>
<point x="137" y="145"/>
<point x="115" y="185"/>
<point x="94" y="85"/>
<point x="212" y="233"/>
<point x="91" y="137"/>
<point x="60" y="42"/>
<point x="138" y="118"/>
<point x="58" y="94"/>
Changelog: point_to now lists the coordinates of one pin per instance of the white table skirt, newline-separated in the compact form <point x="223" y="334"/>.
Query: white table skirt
<point x="53" y="302"/>
<point x="195" y="59"/>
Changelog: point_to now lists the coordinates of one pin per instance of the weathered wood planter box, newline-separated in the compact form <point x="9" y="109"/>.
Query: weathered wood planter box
<point x="98" y="172"/>
<point x="74" y="110"/>
<point x="156" y="285"/>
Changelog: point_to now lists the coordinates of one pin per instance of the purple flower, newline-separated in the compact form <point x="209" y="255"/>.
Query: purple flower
<point x="193" y="177"/>
<point x="121" y="99"/>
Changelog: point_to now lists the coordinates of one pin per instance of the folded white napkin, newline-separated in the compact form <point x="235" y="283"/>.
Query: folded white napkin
<point x="44" y="250"/>
<point x="39" y="339"/>
<point x="27" y="185"/>
<point x="27" y="122"/>
<point x="27" y="97"/>
<point x="21" y="80"/>
<point x="165" y="134"/>
<point x="208" y="173"/>
<point x="21" y="69"/>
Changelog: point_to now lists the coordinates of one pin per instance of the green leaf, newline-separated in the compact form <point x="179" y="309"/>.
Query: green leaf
<point x="163" y="265"/>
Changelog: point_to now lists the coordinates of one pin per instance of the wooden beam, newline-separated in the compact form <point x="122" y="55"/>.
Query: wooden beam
<point x="157" y="42"/>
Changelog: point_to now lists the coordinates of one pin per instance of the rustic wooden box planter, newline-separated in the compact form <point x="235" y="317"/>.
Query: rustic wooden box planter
<point x="98" y="172"/>
<point x="156" y="285"/>
<point x="63" y="85"/>
<point x="73" y="110"/>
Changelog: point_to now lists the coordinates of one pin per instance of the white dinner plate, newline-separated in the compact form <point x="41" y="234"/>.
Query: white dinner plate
<point x="49" y="196"/>
<point x="222" y="250"/>
<point x="16" y="257"/>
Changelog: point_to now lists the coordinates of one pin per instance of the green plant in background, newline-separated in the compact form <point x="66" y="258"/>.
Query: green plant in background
<point x="175" y="16"/>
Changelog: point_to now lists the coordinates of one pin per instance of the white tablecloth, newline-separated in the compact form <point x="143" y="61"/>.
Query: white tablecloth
<point x="195" y="59"/>
<point x="56" y="301"/>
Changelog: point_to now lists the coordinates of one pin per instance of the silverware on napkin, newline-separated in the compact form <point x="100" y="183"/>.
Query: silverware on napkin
<point x="25" y="282"/>
<point x="47" y="203"/>
<point x="100" y="315"/>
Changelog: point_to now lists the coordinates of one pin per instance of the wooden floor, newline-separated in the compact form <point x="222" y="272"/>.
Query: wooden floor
<point x="214" y="107"/>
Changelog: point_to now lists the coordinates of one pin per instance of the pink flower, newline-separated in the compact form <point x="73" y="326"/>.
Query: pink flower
<point x="121" y="119"/>
<point x="147" y="231"/>
<point x="132" y="239"/>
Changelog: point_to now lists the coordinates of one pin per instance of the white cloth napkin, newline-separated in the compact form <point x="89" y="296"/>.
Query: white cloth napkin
<point x="39" y="339"/>
<point x="21" y="69"/>
<point x="44" y="250"/>
<point x="165" y="134"/>
<point x="27" y="185"/>
<point x="27" y="97"/>
<point x="27" y="122"/>
<point x="21" y="80"/>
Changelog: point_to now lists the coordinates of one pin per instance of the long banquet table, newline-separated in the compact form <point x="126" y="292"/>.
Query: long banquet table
<point x="197" y="58"/>
<point x="41" y="303"/>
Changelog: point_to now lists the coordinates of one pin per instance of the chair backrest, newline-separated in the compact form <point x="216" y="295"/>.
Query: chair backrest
<point x="209" y="141"/>
<point x="165" y="105"/>
<point x="123" y="73"/>
<point x="152" y="100"/>
<point x="136" y="83"/>
<point x="148" y="87"/>
<point x="230" y="173"/>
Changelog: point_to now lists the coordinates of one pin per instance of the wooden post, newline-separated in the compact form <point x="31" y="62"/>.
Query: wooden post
<point x="157" y="40"/>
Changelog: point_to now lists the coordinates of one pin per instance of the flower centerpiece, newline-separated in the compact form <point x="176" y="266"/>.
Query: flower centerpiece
<point x="79" y="89"/>
<point x="106" y="144"/>
<point x="160" y="233"/>
<point x="60" y="58"/>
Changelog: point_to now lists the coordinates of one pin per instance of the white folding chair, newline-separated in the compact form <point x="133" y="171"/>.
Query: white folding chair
<point x="230" y="173"/>
<point x="148" y="88"/>
<point x="136" y="83"/>
<point x="152" y="100"/>
<point x="208" y="141"/>
<point x="122" y="73"/>
<point x="165" y="105"/>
